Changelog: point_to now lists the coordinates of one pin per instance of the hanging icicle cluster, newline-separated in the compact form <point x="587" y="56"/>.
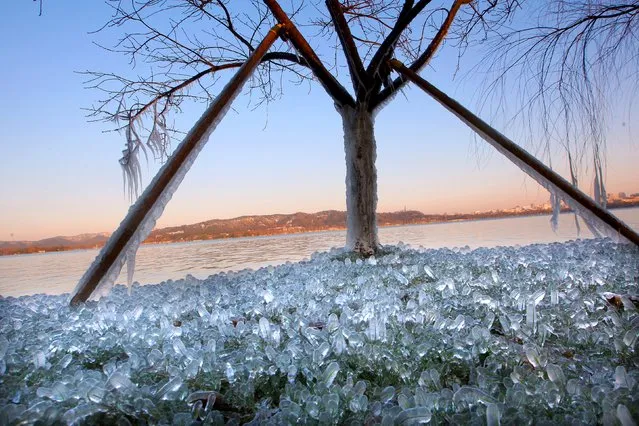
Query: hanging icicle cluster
<point x="128" y="254"/>
<point x="158" y="144"/>
<point x="159" y="141"/>
<point x="142" y="216"/>
<point x="130" y="163"/>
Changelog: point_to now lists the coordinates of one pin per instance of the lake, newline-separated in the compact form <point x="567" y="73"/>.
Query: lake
<point x="56" y="273"/>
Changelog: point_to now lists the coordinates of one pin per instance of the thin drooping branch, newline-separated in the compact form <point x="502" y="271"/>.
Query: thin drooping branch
<point x="335" y="90"/>
<point x="354" y="61"/>
<point x="569" y="68"/>
<point x="544" y="175"/>
<point x="111" y="258"/>
<point x="423" y="59"/>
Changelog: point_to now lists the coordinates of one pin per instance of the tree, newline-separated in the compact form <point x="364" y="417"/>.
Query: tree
<point x="372" y="32"/>
<point x="186" y="43"/>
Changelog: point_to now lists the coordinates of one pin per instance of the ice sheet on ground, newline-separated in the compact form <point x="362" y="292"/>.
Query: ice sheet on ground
<point x="489" y="336"/>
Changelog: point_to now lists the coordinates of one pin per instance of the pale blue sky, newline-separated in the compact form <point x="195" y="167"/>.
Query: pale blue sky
<point x="59" y="174"/>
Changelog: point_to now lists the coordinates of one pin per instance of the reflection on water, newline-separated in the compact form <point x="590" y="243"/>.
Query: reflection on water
<point x="56" y="273"/>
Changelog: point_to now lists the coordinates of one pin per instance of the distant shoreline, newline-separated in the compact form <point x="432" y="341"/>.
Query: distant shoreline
<point x="271" y="225"/>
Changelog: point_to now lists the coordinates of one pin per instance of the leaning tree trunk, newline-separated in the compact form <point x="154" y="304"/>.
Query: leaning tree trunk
<point x="361" y="179"/>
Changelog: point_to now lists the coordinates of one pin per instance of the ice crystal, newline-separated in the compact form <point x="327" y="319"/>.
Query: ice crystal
<point x="489" y="336"/>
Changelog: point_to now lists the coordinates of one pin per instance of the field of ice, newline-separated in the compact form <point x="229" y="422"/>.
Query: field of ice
<point x="542" y="334"/>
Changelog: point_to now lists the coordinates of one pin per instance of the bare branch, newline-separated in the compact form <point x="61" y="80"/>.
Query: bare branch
<point x="567" y="67"/>
<point x="543" y="174"/>
<point x="356" y="68"/>
<point x="424" y="58"/>
<point x="386" y="50"/>
<point x="271" y="56"/>
<point x="330" y="84"/>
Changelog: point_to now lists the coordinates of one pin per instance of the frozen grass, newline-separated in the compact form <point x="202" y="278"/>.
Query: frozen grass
<point x="543" y="333"/>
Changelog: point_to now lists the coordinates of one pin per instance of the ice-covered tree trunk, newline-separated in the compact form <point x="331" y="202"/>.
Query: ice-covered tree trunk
<point x="361" y="179"/>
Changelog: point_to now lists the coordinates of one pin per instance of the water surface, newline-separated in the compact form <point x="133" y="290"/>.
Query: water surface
<point x="56" y="273"/>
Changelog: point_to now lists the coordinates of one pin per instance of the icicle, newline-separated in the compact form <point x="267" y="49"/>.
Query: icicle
<point x="555" y="202"/>
<point x="575" y="183"/>
<point x="130" y="268"/>
<point x="157" y="143"/>
<point x="138" y="141"/>
<point x="130" y="163"/>
<point x="158" y="140"/>
<point x="599" y="195"/>
<point x="596" y="225"/>
<point x="577" y="224"/>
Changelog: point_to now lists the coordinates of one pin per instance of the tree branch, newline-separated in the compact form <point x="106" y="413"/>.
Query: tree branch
<point x="133" y="225"/>
<point x="356" y="67"/>
<point x="423" y="59"/>
<point x="544" y="175"/>
<point x="335" y="90"/>
<point x="385" y="51"/>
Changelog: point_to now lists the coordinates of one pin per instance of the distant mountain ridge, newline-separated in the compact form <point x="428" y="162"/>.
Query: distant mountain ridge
<point x="246" y="226"/>
<point x="54" y="243"/>
<point x="274" y="224"/>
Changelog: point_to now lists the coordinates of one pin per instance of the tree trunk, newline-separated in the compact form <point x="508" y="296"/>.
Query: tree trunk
<point x="361" y="179"/>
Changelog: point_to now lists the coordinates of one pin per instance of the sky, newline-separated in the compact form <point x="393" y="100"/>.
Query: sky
<point x="59" y="173"/>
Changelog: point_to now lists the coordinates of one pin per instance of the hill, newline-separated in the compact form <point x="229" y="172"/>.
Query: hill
<point x="275" y="224"/>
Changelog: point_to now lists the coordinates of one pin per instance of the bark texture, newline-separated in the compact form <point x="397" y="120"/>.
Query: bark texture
<point x="361" y="179"/>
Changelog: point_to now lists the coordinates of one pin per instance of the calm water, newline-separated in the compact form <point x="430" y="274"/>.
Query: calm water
<point x="56" y="273"/>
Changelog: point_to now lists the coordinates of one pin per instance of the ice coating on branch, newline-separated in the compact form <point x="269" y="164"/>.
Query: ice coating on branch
<point x="596" y="225"/>
<point x="130" y="266"/>
<point x="148" y="223"/>
<point x="506" y="148"/>
<point x="158" y="143"/>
